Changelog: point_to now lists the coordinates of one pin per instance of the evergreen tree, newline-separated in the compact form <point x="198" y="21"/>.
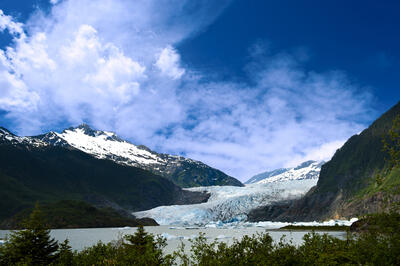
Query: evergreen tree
<point x="392" y="145"/>
<point x="32" y="245"/>
<point x="65" y="256"/>
<point x="142" y="248"/>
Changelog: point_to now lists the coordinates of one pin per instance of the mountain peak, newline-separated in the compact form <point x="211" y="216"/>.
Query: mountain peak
<point x="306" y="170"/>
<point x="5" y="131"/>
<point x="305" y="164"/>
<point x="87" y="130"/>
<point x="84" y="126"/>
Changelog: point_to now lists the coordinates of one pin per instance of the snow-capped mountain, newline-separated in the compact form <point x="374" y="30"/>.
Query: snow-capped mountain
<point x="306" y="170"/>
<point x="9" y="138"/>
<point x="107" y="145"/>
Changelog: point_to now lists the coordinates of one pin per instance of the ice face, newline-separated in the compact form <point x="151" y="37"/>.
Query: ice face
<point x="228" y="204"/>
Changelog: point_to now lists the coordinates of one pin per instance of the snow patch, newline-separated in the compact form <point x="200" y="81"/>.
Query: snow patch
<point x="103" y="145"/>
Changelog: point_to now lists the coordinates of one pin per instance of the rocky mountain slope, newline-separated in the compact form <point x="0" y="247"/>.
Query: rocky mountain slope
<point x="306" y="170"/>
<point x="33" y="170"/>
<point x="107" y="145"/>
<point x="347" y="184"/>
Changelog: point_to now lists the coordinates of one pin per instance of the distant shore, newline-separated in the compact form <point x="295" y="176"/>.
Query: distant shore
<point x="315" y="228"/>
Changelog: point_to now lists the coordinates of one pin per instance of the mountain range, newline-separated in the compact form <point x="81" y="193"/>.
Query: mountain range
<point x="182" y="171"/>
<point x="81" y="169"/>
<point x="306" y="170"/>
<point x="35" y="169"/>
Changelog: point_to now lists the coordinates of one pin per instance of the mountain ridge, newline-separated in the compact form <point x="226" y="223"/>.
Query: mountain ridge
<point x="306" y="170"/>
<point x="182" y="171"/>
<point x="32" y="170"/>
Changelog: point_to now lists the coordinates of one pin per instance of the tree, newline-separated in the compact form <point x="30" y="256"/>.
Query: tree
<point x="392" y="145"/>
<point x="32" y="245"/>
<point x="142" y="248"/>
<point x="65" y="256"/>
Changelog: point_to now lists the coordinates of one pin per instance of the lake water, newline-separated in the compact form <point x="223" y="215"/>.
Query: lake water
<point x="81" y="238"/>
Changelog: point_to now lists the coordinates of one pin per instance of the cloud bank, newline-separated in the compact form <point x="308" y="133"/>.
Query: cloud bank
<point x="114" y="65"/>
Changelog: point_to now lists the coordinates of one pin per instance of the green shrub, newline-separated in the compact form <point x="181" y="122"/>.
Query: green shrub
<point x="380" y="245"/>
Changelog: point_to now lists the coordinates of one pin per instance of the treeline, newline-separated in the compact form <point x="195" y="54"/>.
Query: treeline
<point x="377" y="244"/>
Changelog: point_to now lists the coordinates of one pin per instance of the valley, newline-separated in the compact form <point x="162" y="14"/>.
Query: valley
<point x="77" y="165"/>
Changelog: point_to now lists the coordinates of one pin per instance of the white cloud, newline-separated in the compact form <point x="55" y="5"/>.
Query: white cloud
<point x="321" y="153"/>
<point x="113" y="65"/>
<point x="168" y="63"/>
<point x="7" y="22"/>
<point x="245" y="129"/>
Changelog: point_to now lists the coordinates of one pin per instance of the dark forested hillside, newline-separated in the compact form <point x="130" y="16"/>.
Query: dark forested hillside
<point x="49" y="174"/>
<point x="343" y="179"/>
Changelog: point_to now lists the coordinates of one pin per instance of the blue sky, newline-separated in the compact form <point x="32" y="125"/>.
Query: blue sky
<point x="245" y="86"/>
<point x="359" y="37"/>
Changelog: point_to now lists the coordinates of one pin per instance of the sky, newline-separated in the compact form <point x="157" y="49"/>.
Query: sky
<point x="244" y="86"/>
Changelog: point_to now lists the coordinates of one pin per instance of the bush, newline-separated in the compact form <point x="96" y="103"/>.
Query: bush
<point x="378" y="246"/>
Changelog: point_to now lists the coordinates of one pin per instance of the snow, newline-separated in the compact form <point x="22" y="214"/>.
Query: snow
<point x="21" y="140"/>
<point x="306" y="170"/>
<point x="103" y="145"/>
<point x="107" y="145"/>
<point x="227" y="204"/>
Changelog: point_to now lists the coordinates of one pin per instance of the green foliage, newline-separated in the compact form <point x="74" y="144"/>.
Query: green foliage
<point x="359" y="159"/>
<point x="99" y="254"/>
<point x="140" y="248"/>
<point x="325" y="250"/>
<point x="75" y="214"/>
<point x="366" y="249"/>
<point x="379" y="241"/>
<point x="391" y="144"/>
<point x="65" y="256"/>
<point x="31" y="246"/>
<point x="379" y="246"/>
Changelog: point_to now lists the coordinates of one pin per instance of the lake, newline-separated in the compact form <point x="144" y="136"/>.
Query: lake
<point x="81" y="238"/>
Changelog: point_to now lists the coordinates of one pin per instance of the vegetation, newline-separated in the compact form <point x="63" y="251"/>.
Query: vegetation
<point x="349" y="176"/>
<point x="77" y="214"/>
<point x="386" y="183"/>
<point x="378" y="222"/>
<point x="392" y="144"/>
<point x="50" y="174"/>
<point x="380" y="246"/>
<point x="360" y="158"/>
<point x="31" y="246"/>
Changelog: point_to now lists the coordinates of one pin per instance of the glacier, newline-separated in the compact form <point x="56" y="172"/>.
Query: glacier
<point x="228" y="204"/>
